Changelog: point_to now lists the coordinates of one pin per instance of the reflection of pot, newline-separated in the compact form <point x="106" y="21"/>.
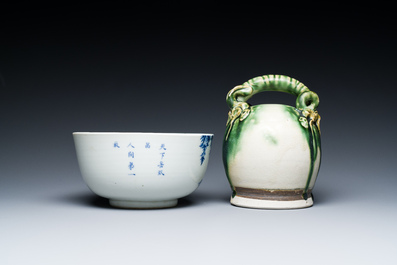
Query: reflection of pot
<point x="272" y="152"/>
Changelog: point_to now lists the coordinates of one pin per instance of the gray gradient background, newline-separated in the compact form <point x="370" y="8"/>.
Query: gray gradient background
<point x="168" y="73"/>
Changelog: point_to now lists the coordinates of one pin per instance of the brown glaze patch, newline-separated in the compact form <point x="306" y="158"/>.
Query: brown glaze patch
<point x="273" y="195"/>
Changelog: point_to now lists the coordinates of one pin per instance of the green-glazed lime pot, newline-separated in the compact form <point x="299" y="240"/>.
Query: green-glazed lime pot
<point x="272" y="152"/>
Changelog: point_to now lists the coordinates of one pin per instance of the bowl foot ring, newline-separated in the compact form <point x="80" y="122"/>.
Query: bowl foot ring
<point x="143" y="204"/>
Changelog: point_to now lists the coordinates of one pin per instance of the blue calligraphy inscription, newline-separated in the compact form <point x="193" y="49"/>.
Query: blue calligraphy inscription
<point x="131" y="165"/>
<point x="161" y="164"/>
<point x="205" y="142"/>
<point x="162" y="152"/>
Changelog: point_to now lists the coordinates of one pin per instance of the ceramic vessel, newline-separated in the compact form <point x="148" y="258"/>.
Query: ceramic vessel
<point x="142" y="170"/>
<point x="272" y="152"/>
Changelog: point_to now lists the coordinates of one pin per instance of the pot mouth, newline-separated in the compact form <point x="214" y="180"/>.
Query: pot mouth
<point x="142" y="133"/>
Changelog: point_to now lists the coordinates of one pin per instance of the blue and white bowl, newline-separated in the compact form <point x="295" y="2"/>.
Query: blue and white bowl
<point x="142" y="170"/>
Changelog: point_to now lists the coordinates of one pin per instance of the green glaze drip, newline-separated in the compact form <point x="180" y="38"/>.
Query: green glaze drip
<point x="313" y="140"/>
<point x="312" y="160"/>
<point x="231" y="141"/>
<point x="225" y="163"/>
<point x="271" y="139"/>
<point x="230" y="147"/>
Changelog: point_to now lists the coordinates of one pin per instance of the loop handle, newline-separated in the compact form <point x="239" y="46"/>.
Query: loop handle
<point x="306" y="99"/>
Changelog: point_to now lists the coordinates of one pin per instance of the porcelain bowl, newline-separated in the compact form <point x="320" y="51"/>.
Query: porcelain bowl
<point x="142" y="170"/>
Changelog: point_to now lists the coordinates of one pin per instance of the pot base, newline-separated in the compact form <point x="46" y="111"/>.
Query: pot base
<point x="271" y="199"/>
<point x="143" y="204"/>
<point x="270" y="204"/>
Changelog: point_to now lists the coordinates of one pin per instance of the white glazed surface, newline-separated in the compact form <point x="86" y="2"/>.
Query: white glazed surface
<point x="273" y="153"/>
<point x="146" y="167"/>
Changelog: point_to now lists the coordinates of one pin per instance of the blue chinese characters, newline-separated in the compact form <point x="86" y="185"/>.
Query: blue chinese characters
<point x="134" y="150"/>
<point x="131" y="155"/>
<point x="161" y="164"/>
